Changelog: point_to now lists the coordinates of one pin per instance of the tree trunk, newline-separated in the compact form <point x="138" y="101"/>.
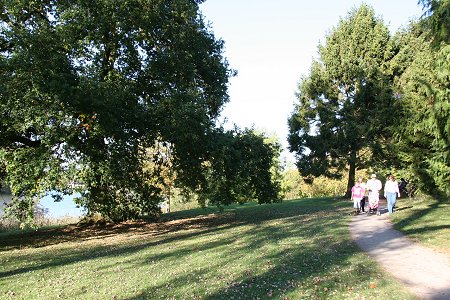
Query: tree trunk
<point x="351" y="174"/>
<point x="168" y="201"/>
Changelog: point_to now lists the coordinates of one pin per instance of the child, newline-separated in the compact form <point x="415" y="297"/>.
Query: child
<point x="357" y="196"/>
<point x="363" y="200"/>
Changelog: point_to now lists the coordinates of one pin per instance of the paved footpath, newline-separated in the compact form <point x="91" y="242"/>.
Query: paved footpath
<point x="423" y="271"/>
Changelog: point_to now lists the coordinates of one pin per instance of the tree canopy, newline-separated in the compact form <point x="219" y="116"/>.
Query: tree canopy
<point x="87" y="86"/>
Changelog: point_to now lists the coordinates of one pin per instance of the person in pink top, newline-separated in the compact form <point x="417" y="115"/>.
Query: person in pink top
<point x="357" y="196"/>
<point x="363" y="200"/>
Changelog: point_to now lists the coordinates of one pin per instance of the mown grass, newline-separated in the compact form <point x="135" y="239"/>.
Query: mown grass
<point x="425" y="219"/>
<point x="294" y="250"/>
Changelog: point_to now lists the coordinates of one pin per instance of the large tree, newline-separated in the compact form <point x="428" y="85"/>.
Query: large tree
<point x="87" y="86"/>
<point x="346" y="101"/>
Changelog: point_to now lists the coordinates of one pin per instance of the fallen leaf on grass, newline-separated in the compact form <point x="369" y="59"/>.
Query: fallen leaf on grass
<point x="373" y="285"/>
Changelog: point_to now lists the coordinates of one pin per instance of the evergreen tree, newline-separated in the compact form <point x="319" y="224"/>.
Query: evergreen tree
<point x="346" y="102"/>
<point x="422" y="133"/>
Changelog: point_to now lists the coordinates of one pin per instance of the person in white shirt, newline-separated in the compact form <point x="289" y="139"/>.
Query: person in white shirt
<point x="374" y="186"/>
<point x="390" y="192"/>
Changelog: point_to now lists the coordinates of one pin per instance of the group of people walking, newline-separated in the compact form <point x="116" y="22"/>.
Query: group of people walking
<point x="371" y="191"/>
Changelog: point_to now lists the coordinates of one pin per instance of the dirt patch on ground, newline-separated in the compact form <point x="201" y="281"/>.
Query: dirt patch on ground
<point x="46" y="237"/>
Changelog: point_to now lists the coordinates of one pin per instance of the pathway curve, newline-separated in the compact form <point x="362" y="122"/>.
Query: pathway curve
<point x="423" y="271"/>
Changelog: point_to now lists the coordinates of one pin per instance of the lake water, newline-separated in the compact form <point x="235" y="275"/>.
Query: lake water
<point x="66" y="207"/>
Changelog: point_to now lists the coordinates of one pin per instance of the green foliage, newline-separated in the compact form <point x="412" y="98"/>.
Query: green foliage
<point x="240" y="169"/>
<point x="86" y="87"/>
<point x="379" y="102"/>
<point x="346" y="101"/>
<point x="423" y="132"/>
<point x="239" y="166"/>
<point x="294" y="187"/>
<point x="437" y="18"/>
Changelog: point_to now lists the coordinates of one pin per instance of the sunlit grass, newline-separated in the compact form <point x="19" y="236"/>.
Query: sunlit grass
<point x="425" y="219"/>
<point x="298" y="249"/>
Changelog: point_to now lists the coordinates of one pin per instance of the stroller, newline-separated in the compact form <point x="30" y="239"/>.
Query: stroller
<point x="374" y="198"/>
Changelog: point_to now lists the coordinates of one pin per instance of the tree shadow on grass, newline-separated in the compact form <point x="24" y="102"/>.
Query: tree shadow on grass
<point x="285" y="247"/>
<point x="172" y="222"/>
<point x="439" y="203"/>
<point x="317" y="265"/>
<point x="74" y="255"/>
<point x="290" y="266"/>
<point x="280" y="275"/>
<point x="426" y="229"/>
<point x="70" y="233"/>
<point x="404" y="208"/>
<point x="152" y="234"/>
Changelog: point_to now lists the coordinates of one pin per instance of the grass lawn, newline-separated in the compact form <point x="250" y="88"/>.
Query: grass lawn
<point x="298" y="249"/>
<point x="425" y="219"/>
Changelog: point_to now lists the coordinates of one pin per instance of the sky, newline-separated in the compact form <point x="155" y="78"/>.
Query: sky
<point x="271" y="44"/>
